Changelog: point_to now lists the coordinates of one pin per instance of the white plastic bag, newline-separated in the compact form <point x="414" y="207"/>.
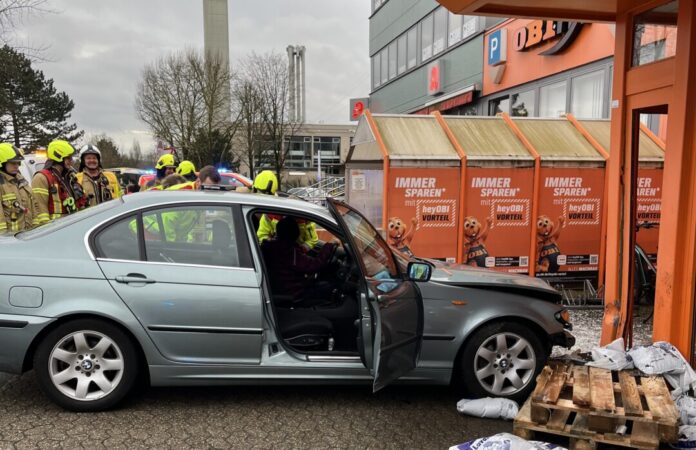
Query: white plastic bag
<point x="687" y="409"/>
<point x="687" y="437"/>
<point x="611" y="357"/>
<point x="662" y="358"/>
<point x="504" y="441"/>
<point x="489" y="408"/>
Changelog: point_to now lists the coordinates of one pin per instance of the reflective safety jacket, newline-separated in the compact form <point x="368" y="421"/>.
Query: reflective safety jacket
<point x="18" y="209"/>
<point x="101" y="189"/>
<point x="53" y="196"/>
<point x="188" y="186"/>
<point x="151" y="185"/>
<point x="267" y="230"/>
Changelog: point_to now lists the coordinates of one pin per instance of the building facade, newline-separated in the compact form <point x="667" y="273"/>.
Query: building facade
<point x="314" y="151"/>
<point x="424" y="58"/>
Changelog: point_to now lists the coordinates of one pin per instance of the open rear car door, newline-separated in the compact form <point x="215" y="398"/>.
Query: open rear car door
<point x="391" y="307"/>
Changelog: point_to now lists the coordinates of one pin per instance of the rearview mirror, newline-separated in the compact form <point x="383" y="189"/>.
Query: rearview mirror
<point x="419" y="271"/>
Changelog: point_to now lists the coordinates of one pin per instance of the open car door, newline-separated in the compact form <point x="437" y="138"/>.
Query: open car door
<point x="391" y="307"/>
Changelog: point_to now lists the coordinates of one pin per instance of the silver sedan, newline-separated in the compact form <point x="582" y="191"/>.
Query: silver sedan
<point x="173" y="288"/>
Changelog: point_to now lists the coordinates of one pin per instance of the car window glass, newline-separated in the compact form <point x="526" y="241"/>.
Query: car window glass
<point x="373" y="250"/>
<point x="69" y="220"/>
<point x="119" y="240"/>
<point x="201" y="235"/>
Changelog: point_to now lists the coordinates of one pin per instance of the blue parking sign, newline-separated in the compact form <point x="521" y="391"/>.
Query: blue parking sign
<point x="497" y="47"/>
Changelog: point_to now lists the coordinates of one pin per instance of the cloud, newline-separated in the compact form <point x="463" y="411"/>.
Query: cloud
<point x="96" y="51"/>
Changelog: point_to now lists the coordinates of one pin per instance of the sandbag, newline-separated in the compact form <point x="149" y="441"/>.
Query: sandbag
<point x="489" y="408"/>
<point x="505" y="441"/>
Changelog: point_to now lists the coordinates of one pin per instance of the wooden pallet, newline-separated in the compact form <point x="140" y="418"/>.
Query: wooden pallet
<point x="587" y="405"/>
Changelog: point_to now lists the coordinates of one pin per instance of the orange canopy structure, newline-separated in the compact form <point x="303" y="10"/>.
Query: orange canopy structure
<point x="654" y="73"/>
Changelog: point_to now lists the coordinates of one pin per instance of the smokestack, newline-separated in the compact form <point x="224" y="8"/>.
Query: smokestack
<point x="291" y="82"/>
<point x="302" y="84"/>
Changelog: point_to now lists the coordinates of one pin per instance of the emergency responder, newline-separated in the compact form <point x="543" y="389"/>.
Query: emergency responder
<point x="187" y="170"/>
<point x="18" y="209"/>
<point x="267" y="183"/>
<point x="53" y="190"/>
<point x="166" y="165"/>
<point x="98" y="185"/>
<point x="208" y="176"/>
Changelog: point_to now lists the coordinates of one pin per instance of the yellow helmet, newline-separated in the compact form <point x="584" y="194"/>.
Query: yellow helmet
<point x="58" y="151"/>
<point x="165" y="161"/>
<point x="266" y="182"/>
<point x="10" y="153"/>
<point x="186" y="168"/>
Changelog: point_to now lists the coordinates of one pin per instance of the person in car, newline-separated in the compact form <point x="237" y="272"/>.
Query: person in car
<point x="267" y="183"/>
<point x="288" y="265"/>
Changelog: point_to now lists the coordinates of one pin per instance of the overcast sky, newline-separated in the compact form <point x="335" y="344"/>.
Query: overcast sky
<point x="96" y="50"/>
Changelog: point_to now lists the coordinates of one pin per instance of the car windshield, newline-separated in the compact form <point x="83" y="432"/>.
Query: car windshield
<point x="68" y="220"/>
<point x="374" y="251"/>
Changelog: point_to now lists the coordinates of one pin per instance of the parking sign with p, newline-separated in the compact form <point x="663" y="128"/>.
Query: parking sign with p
<point x="497" y="47"/>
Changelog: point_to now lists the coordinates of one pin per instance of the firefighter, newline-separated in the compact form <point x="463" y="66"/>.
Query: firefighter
<point x="166" y="165"/>
<point x="18" y="209"/>
<point x="208" y="176"/>
<point x="98" y="185"/>
<point x="267" y="183"/>
<point x="187" y="170"/>
<point x="53" y="187"/>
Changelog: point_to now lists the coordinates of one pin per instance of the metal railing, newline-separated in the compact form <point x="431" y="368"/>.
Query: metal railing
<point x="330" y="187"/>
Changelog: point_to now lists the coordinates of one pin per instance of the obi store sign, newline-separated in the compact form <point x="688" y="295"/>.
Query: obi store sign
<point x="538" y="32"/>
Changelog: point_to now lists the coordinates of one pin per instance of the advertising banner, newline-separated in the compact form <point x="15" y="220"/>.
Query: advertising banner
<point x="423" y="211"/>
<point x="649" y="210"/>
<point x="569" y="225"/>
<point x="497" y="218"/>
<point x="364" y="191"/>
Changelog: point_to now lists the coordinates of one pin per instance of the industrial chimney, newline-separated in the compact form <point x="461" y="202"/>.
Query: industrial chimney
<point x="296" y="81"/>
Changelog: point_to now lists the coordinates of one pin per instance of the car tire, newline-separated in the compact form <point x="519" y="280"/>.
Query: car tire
<point x="86" y="365"/>
<point x="502" y="360"/>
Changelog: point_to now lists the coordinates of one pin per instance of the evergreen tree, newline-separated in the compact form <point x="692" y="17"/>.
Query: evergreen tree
<point x="32" y="111"/>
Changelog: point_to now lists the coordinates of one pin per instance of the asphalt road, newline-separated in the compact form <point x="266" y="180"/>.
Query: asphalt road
<point x="244" y="417"/>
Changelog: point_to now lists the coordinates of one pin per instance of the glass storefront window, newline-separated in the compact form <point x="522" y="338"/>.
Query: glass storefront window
<point x="455" y="28"/>
<point x="498" y="105"/>
<point x="440" y="22"/>
<point x="427" y="38"/>
<point x="522" y="104"/>
<point x="401" y="54"/>
<point x="587" y="95"/>
<point x="412" y="47"/>
<point x="392" y="60"/>
<point x="375" y="71"/>
<point x="384" y="56"/>
<point x="469" y="26"/>
<point x="552" y="100"/>
<point x="655" y="34"/>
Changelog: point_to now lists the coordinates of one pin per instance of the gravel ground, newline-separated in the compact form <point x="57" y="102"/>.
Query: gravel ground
<point x="587" y="329"/>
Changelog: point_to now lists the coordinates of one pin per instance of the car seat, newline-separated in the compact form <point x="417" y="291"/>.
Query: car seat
<point x="304" y="329"/>
<point x="225" y="253"/>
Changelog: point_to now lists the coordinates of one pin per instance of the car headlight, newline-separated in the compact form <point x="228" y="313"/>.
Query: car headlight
<point x="563" y="316"/>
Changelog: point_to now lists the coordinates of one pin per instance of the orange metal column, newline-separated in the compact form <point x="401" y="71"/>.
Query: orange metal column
<point x="674" y="299"/>
<point x="385" y="165"/>
<point x="537" y="187"/>
<point x="614" y="173"/>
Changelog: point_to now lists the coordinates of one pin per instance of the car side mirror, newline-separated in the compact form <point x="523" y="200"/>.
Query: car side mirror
<point x="419" y="271"/>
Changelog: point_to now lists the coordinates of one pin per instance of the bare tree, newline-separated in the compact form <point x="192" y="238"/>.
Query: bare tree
<point x="184" y="98"/>
<point x="12" y="13"/>
<point x="247" y="104"/>
<point x="269" y="72"/>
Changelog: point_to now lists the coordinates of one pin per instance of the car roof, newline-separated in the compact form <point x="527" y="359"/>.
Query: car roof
<point x="152" y="198"/>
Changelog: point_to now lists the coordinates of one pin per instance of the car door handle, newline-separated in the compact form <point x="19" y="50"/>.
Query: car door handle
<point x="133" y="278"/>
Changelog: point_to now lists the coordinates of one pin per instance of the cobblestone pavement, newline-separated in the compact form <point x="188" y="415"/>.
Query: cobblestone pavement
<point x="244" y="417"/>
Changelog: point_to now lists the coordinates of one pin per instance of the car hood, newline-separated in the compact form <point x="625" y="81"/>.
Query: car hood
<point x="467" y="276"/>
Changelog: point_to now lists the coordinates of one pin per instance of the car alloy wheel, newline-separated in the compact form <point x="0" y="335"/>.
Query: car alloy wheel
<point x="505" y="363"/>
<point x="86" y="365"/>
